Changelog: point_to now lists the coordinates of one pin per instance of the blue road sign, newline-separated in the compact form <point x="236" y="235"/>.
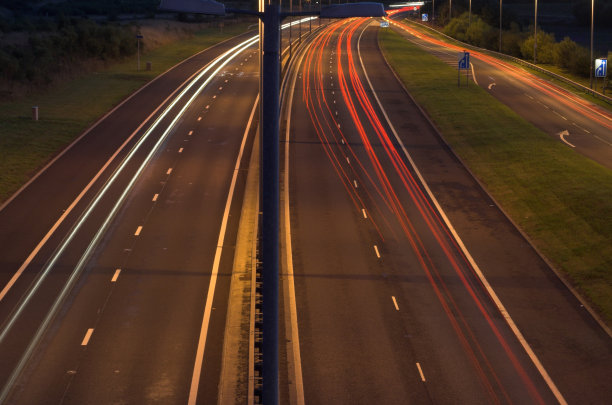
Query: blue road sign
<point x="464" y="60"/>
<point x="424" y="17"/>
<point x="601" y="67"/>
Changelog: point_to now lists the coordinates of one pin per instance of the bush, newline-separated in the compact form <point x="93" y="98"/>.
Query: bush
<point x="545" y="47"/>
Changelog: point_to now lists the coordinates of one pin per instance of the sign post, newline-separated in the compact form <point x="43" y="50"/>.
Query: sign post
<point x="601" y="70"/>
<point x="138" y="38"/>
<point x="463" y="64"/>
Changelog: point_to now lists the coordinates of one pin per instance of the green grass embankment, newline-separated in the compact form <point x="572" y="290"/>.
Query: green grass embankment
<point x="561" y="199"/>
<point x="67" y="109"/>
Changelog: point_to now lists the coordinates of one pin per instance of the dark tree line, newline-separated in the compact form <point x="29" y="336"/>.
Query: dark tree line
<point x="59" y="45"/>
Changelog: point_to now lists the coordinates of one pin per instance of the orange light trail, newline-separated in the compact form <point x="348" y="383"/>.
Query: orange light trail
<point x="329" y="134"/>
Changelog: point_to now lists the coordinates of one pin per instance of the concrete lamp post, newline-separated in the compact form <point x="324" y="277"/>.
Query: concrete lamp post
<point x="269" y="175"/>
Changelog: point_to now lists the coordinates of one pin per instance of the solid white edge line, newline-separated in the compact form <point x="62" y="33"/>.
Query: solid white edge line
<point x="199" y="359"/>
<point x="534" y="358"/>
<point x="115" y="276"/>
<point x="87" y="337"/>
<point x="95" y="124"/>
<point x="290" y="279"/>
<point x="473" y="74"/>
<point x="61" y="219"/>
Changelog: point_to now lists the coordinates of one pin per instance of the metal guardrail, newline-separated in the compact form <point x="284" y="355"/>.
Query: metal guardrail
<point x="522" y="62"/>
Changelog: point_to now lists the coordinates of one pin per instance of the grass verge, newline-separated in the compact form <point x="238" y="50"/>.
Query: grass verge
<point x="561" y="199"/>
<point x="67" y="109"/>
<point x="433" y="32"/>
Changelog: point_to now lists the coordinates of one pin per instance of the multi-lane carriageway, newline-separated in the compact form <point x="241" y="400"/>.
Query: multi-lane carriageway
<point x="402" y="280"/>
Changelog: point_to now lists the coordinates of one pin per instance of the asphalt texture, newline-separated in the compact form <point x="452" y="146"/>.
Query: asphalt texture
<point x="391" y="329"/>
<point x="131" y="337"/>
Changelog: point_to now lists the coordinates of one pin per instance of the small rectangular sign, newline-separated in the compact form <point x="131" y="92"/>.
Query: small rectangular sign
<point x="464" y="60"/>
<point x="384" y="24"/>
<point x="424" y="17"/>
<point x="601" y="67"/>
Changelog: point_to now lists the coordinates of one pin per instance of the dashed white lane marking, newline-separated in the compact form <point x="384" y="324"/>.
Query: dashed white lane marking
<point x="207" y="107"/>
<point x="421" y="372"/>
<point x="190" y="133"/>
<point x="199" y="118"/>
<point x="363" y="211"/>
<point x="529" y="96"/>
<point x="215" y="96"/>
<point x="355" y="183"/>
<point x="169" y="171"/>
<point x="395" y="303"/>
<point x="115" y="276"/>
<point x="138" y="230"/>
<point x="348" y="160"/>
<point x="559" y="115"/>
<point x="342" y="140"/>
<point x="602" y="140"/>
<point x="155" y="197"/>
<point x="181" y="150"/>
<point x="377" y="252"/>
<point x="87" y="337"/>
<point x="221" y="88"/>
<point x="226" y="80"/>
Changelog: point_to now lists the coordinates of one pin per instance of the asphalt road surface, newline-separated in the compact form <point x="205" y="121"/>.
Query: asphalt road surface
<point x="114" y="306"/>
<point x="579" y="124"/>
<point x="389" y="306"/>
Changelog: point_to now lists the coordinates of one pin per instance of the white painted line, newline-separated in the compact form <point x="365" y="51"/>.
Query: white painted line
<point x="602" y="140"/>
<point x="421" y="372"/>
<point x="395" y="303"/>
<point x="87" y="337"/>
<point x="336" y="113"/>
<point x="199" y="359"/>
<point x="529" y="96"/>
<point x="155" y="197"/>
<point x="473" y="74"/>
<point x="181" y="150"/>
<point x="342" y="140"/>
<point x="221" y="88"/>
<point x="190" y="133"/>
<point x="559" y="115"/>
<point x="215" y="96"/>
<point x="562" y="135"/>
<point x="199" y="118"/>
<point x="115" y="276"/>
<point x="491" y="86"/>
<point x="355" y="183"/>
<point x="364" y="213"/>
<point x="377" y="252"/>
<point x="348" y="160"/>
<point x="208" y="106"/>
<point x="294" y="358"/>
<point x="504" y="313"/>
<point x="138" y="230"/>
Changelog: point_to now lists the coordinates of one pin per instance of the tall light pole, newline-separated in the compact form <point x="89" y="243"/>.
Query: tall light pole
<point x="269" y="175"/>
<point x="535" y="33"/>
<point x="591" y="69"/>
<point x="500" y="25"/>
<point x="450" y="10"/>
<point x="470" y="14"/>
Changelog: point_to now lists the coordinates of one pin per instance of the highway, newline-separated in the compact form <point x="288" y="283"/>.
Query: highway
<point x="119" y="305"/>
<point x="402" y="281"/>
<point x="579" y="124"/>
<point x="402" y="266"/>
